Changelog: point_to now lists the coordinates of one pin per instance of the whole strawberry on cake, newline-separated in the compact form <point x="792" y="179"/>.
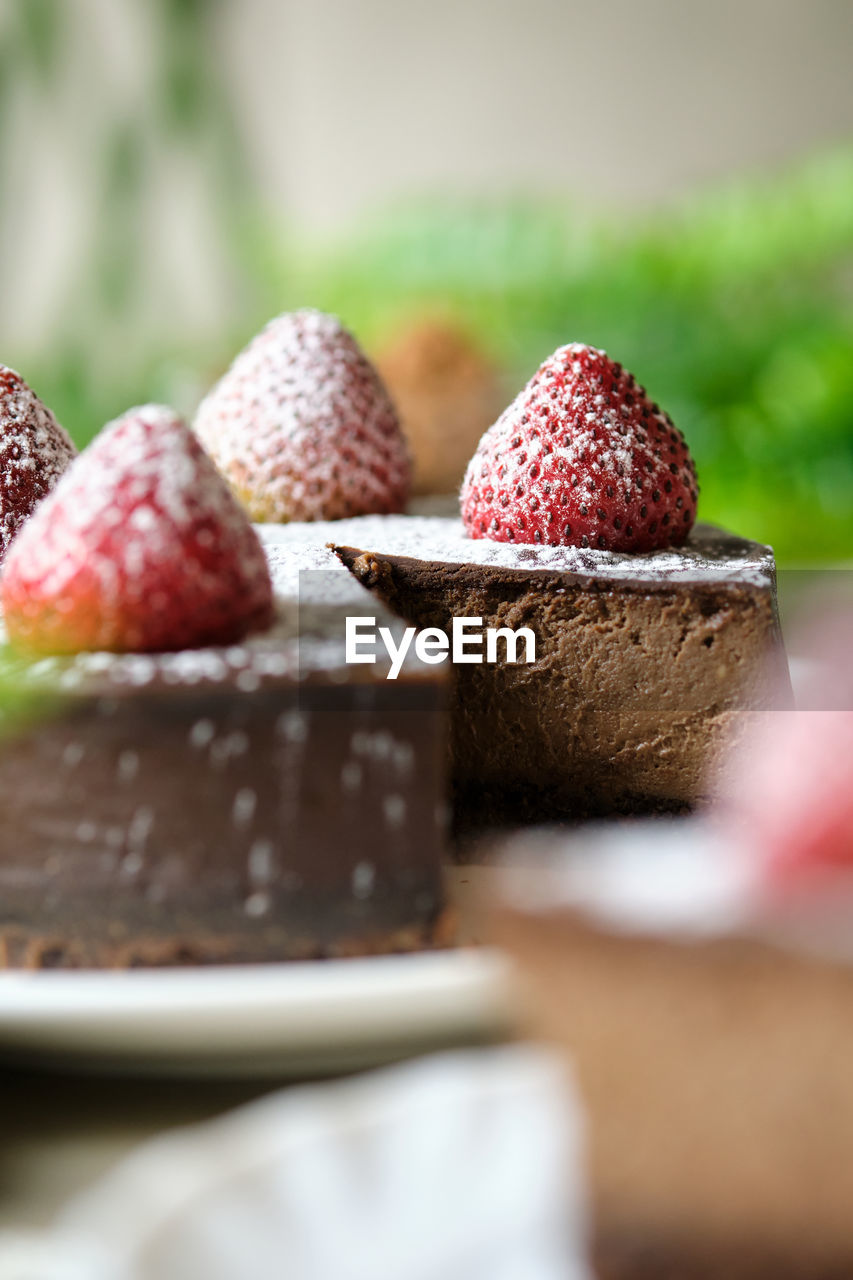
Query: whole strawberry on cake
<point x="303" y="428"/>
<point x="34" y="452"/>
<point x="652" y="633"/>
<point x="193" y="773"/>
<point x="582" y="458"/>
<point x="141" y="548"/>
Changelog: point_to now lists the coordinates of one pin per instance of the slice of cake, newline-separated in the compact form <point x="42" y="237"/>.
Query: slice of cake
<point x="642" y="661"/>
<point x="650" y="635"/>
<point x="709" y="1025"/>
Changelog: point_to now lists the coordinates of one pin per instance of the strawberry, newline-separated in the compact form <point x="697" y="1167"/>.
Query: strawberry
<point x="582" y="457"/>
<point x="303" y="428"/>
<point x="34" y="452"/>
<point x="141" y="546"/>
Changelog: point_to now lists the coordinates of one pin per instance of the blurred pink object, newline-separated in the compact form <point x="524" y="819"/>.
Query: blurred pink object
<point x="789" y="793"/>
<point x="792" y="795"/>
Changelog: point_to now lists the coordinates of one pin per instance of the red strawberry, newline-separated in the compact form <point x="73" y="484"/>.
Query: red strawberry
<point x="141" y="546"/>
<point x="34" y="452"/>
<point x="303" y="428"/>
<point x="582" y="457"/>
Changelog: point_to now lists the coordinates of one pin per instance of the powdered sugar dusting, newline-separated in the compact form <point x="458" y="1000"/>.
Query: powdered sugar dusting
<point x="269" y="660"/>
<point x="709" y="554"/>
<point x="302" y="426"/>
<point x="34" y="453"/>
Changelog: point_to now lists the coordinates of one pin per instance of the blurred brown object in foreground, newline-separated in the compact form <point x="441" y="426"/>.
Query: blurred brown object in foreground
<point x="711" y="1041"/>
<point x="447" y="393"/>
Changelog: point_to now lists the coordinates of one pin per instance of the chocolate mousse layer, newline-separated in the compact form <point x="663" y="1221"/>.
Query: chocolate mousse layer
<point x="644" y="663"/>
<point x="261" y="802"/>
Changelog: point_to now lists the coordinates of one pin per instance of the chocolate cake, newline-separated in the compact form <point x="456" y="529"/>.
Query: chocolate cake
<point x="643" y="662"/>
<point x="709" y="1028"/>
<point x="258" y="802"/>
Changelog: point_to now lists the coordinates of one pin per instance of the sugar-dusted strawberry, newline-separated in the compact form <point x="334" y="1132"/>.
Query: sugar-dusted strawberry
<point x="303" y="428"/>
<point x="34" y="452"/>
<point x="141" y="546"/>
<point x="582" y="457"/>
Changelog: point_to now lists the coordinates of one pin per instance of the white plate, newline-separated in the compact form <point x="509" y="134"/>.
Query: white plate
<point x="297" y="1018"/>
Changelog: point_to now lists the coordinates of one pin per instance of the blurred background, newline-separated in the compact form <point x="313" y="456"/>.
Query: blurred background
<point x="469" y="184"/>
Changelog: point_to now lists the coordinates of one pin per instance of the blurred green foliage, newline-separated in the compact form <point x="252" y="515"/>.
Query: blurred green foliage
<point x="25" y="695"/>
<point x="735" y="309"/>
